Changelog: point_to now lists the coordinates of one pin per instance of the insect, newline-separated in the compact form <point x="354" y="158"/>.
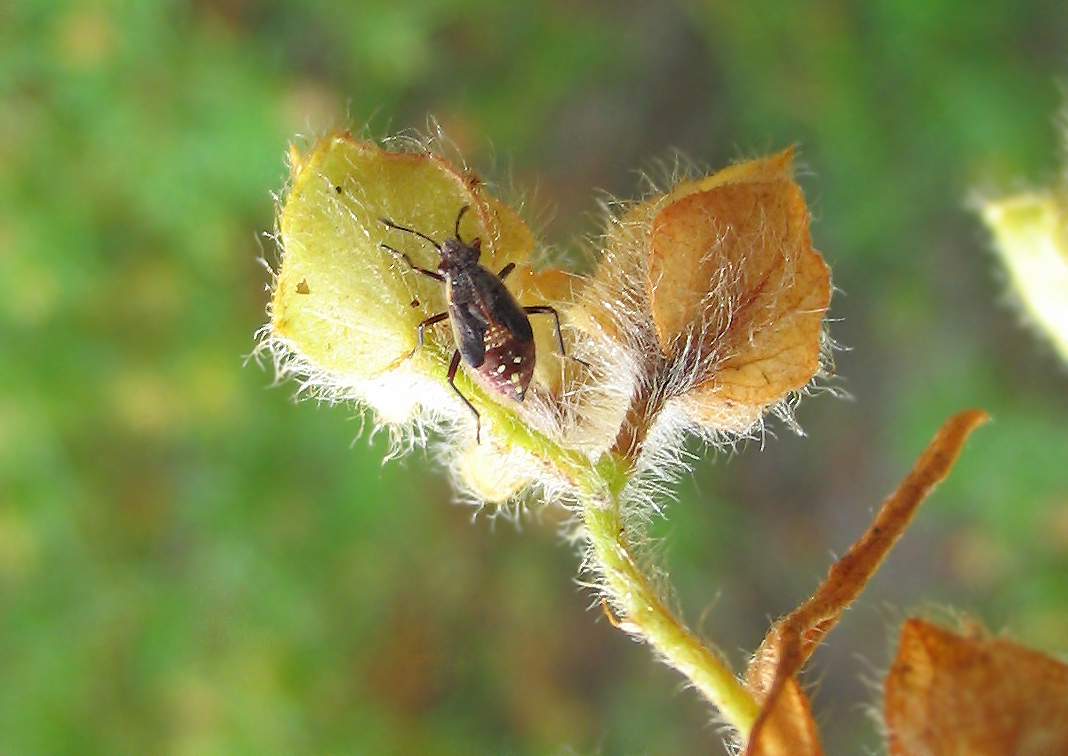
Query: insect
<point x="491" y="330"/>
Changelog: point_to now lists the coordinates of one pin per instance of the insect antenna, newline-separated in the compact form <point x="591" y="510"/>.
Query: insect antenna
<point x="420" y="234"/>
<point x="460" y="215"/>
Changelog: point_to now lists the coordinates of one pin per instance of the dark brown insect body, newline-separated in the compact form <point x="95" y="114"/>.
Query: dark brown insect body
<point x="492" y="331"/>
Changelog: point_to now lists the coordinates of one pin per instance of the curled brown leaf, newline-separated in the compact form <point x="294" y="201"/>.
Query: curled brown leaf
<point x="792" y="639"/>
<point x="733" y="278"/>
<point x="709" y="299"/>
<point x="789" y="729"/>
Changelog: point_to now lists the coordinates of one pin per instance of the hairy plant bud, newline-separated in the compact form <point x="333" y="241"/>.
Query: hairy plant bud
<point x="705" y="311"/>
<point x="716" y="294"/>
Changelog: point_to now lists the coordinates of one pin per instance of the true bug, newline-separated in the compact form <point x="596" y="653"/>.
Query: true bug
<point x="492" y="330"/>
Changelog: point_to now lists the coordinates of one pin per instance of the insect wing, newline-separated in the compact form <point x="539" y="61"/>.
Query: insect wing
<point x="508" y="339"/>
<point x="504" y="310"/>
<point x="509" y="362"/>
<point x="469" y="330"/>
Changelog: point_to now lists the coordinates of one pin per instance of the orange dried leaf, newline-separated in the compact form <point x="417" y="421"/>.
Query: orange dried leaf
<point x="948" y="694"/>
<point x="792" y="639"/>
<point x="788" y="728"/>
<point x="769" y="168"/>
<point x="733" y="277"/>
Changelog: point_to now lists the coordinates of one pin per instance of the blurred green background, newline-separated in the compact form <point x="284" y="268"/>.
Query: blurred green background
<point x="192" y="563"/>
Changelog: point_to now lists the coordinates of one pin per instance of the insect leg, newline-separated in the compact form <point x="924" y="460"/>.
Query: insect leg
<point x="453" y="367"/>
<point x="547" y="310"/>
<point x="422" y="326"/>
<point x="506" y="270"/>
<point x="413" y="266"/>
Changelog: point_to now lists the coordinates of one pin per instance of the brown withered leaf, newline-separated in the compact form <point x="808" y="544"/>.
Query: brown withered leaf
<point x="948" y="694"/>
<point x="792" y="639"/>
<point x="733" y="278"/>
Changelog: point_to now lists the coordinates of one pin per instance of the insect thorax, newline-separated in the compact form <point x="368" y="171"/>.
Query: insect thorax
<point x="457" y="256"/>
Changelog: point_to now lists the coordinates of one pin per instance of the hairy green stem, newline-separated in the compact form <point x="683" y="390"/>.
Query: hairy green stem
<point x="626" y="588"/>
<point x="643" y="614"/>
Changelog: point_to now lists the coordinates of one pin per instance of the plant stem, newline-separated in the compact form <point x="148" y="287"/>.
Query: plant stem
<point x="644" y="615"/>
<point x="627" y="589"/>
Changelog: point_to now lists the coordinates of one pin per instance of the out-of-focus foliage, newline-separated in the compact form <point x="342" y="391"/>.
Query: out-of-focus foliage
<point x="189" y="563"/>
<point x="1032" y="239"/>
